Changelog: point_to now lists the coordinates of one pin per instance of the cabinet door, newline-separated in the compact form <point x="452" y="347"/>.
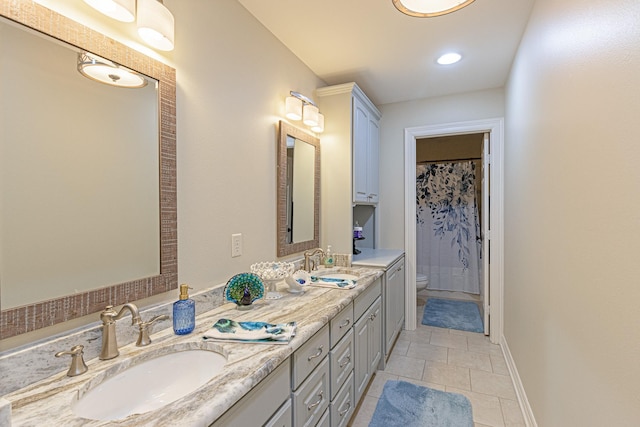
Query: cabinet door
<point x="360" y="157"/>
<point x="375" y="336"/>
<point x="373" y="160"/>
<point x="394" y="304"/>
<point x="360" y="349"/>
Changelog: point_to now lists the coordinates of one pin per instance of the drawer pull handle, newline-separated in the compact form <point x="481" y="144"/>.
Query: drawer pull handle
<point x="345" y="323"/>
<point x="341" y="413"/>
<point x="344" y="362"/>
<point x="313" y="405"/>
<point x="313" y="356"/>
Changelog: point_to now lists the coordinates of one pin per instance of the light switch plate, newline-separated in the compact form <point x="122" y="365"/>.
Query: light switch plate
<point x="236" y="245"/>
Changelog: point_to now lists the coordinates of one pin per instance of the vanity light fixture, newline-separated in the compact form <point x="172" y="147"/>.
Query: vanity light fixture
<point x="319" y="128"/>
<point x="104" y="71"/>
<point x="156" y="24"/>
<point x="429" y="8"/>
<point x="121" y="10"/>
<point x="300" y="107"/>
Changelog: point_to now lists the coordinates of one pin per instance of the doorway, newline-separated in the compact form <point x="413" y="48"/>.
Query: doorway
<point x="492" y="160"/>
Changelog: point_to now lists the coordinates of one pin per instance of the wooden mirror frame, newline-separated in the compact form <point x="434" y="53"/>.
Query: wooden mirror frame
<point x="285" y="248"/>
<point x="20" y="320"/>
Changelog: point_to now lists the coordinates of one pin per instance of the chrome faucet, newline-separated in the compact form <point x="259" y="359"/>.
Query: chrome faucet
<point x="109" y="317"/>
<point x="309" y="264"/>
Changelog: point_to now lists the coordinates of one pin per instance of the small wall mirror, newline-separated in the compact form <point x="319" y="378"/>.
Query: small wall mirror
<point x="298" y="190"/>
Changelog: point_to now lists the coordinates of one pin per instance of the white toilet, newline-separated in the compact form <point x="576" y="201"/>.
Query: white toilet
<point x="421" y="282"/>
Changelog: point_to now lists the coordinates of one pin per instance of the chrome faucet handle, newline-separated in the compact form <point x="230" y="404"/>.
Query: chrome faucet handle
<point x="144" y="338"/>
<point x="78" y="366"/>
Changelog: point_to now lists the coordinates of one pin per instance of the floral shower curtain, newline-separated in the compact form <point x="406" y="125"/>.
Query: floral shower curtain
<point x="448" y="240"/>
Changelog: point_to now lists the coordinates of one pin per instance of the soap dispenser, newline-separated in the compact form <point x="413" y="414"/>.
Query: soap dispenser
<point x="184" y="312"/>
<point x="328" y="257"/>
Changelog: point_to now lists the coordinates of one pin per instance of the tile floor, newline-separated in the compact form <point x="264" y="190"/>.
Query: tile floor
<point x="453" y="361"/>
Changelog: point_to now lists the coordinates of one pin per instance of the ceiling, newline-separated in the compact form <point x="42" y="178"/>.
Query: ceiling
<point x="391" y="56"/>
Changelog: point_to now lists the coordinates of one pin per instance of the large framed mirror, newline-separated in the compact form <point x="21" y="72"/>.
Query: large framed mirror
<point x="88" y="181"/>
<point x="298" y="190"/>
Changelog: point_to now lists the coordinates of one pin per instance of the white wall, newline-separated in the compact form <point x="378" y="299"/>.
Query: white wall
<point x="395" y="118"/>
<point x="233" y="76"/>
<point x="572" y="203"/>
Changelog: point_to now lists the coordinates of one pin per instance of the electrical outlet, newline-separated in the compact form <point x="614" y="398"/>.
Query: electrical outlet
<point x="236" y="245"/>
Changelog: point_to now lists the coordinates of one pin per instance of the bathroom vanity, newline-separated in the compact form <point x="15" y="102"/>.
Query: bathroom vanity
<point x="316" y="379"/>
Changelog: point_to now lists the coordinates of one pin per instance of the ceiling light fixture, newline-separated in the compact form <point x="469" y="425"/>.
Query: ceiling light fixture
<point x="299" y="107"/>
<point x="156" y="25"/>
<point x="121" y="10"/>
<point x="449" y="58"/>
<point x="429" y="8"/>
<point x="103" y="71"/>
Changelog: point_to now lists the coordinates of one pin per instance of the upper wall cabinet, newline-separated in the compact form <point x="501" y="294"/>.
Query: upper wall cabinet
<point x="366" y="131"/>
<point x="362" y="133"/>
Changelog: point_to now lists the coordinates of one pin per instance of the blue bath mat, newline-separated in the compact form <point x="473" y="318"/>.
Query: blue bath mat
<point x="451" y="314"/>
<point x="409" y="405"/>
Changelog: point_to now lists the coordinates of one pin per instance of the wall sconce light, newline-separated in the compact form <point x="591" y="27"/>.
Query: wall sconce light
<point x="156" y="25"/>
<point x="429" y="8"/>
<point x="300" y="107"/>
<point x="103" y="71"/>
<point x="121" y="10"/>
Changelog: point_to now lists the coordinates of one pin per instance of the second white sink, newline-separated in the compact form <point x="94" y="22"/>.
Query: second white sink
<point x="149" y="385"/>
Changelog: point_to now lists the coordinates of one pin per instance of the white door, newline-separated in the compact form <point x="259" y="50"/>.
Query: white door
<point x="486" y="232"/>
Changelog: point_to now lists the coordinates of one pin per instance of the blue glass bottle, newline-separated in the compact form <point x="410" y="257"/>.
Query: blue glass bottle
<point x="184" y="313"/>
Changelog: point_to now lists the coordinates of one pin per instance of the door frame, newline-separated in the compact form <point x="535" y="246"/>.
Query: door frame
<point x="495" y="127"/>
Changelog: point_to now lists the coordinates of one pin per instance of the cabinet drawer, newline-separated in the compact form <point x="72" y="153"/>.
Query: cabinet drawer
<point x="341" y="362"/>
<point x="365" y="299"/>
<point x="312" y="398"/>
<point x="343" y="405"/>
<point x="256" y="407"/>
<point x="307" y="357"/>
<point x="325" y="421"/>
<point x="282" y="418"/>
<point x="341" y="324"/>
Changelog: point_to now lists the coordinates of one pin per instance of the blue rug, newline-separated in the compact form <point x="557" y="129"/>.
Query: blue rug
<point x="460" y="315"/>
<point x="409" y="405"/>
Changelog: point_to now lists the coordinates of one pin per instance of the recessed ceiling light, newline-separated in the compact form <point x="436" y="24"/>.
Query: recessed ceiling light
<point x="449" y="58"/>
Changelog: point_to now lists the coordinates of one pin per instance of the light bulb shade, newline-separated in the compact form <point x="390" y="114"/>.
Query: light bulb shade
<point x="429" y="8"/>
<point x="122" y="10"/>
<point x="293" y="108"/>
<point x="310" y="115"/>
<point x="319" y="128"/>
<point x="155" y="24"/>
<point x="103" y="71"/>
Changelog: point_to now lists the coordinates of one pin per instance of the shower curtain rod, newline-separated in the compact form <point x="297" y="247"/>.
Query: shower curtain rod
<point x="424" y="162"/>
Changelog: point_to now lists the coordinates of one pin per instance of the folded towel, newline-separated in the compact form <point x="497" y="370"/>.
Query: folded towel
<point x="330" y="282"/>
<point x="254" y="332"/>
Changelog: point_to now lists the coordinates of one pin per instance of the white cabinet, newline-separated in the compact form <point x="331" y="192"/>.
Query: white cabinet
<point x="367" y="336"/>
<point x="349" y="160"/>
<point x="393" y="295"/>
<point x="366" y="134"/>
<point x="367" y="347"/>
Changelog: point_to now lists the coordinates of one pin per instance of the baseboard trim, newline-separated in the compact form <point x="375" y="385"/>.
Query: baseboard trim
<point x="527" y="412"/>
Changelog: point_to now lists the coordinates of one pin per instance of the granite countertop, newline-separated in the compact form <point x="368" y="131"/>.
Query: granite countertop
<point x="48" y="402"/>
<point x="379" y="258"/>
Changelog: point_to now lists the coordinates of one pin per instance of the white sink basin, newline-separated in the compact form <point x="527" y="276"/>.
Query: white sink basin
<point x="149" y="385"/>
